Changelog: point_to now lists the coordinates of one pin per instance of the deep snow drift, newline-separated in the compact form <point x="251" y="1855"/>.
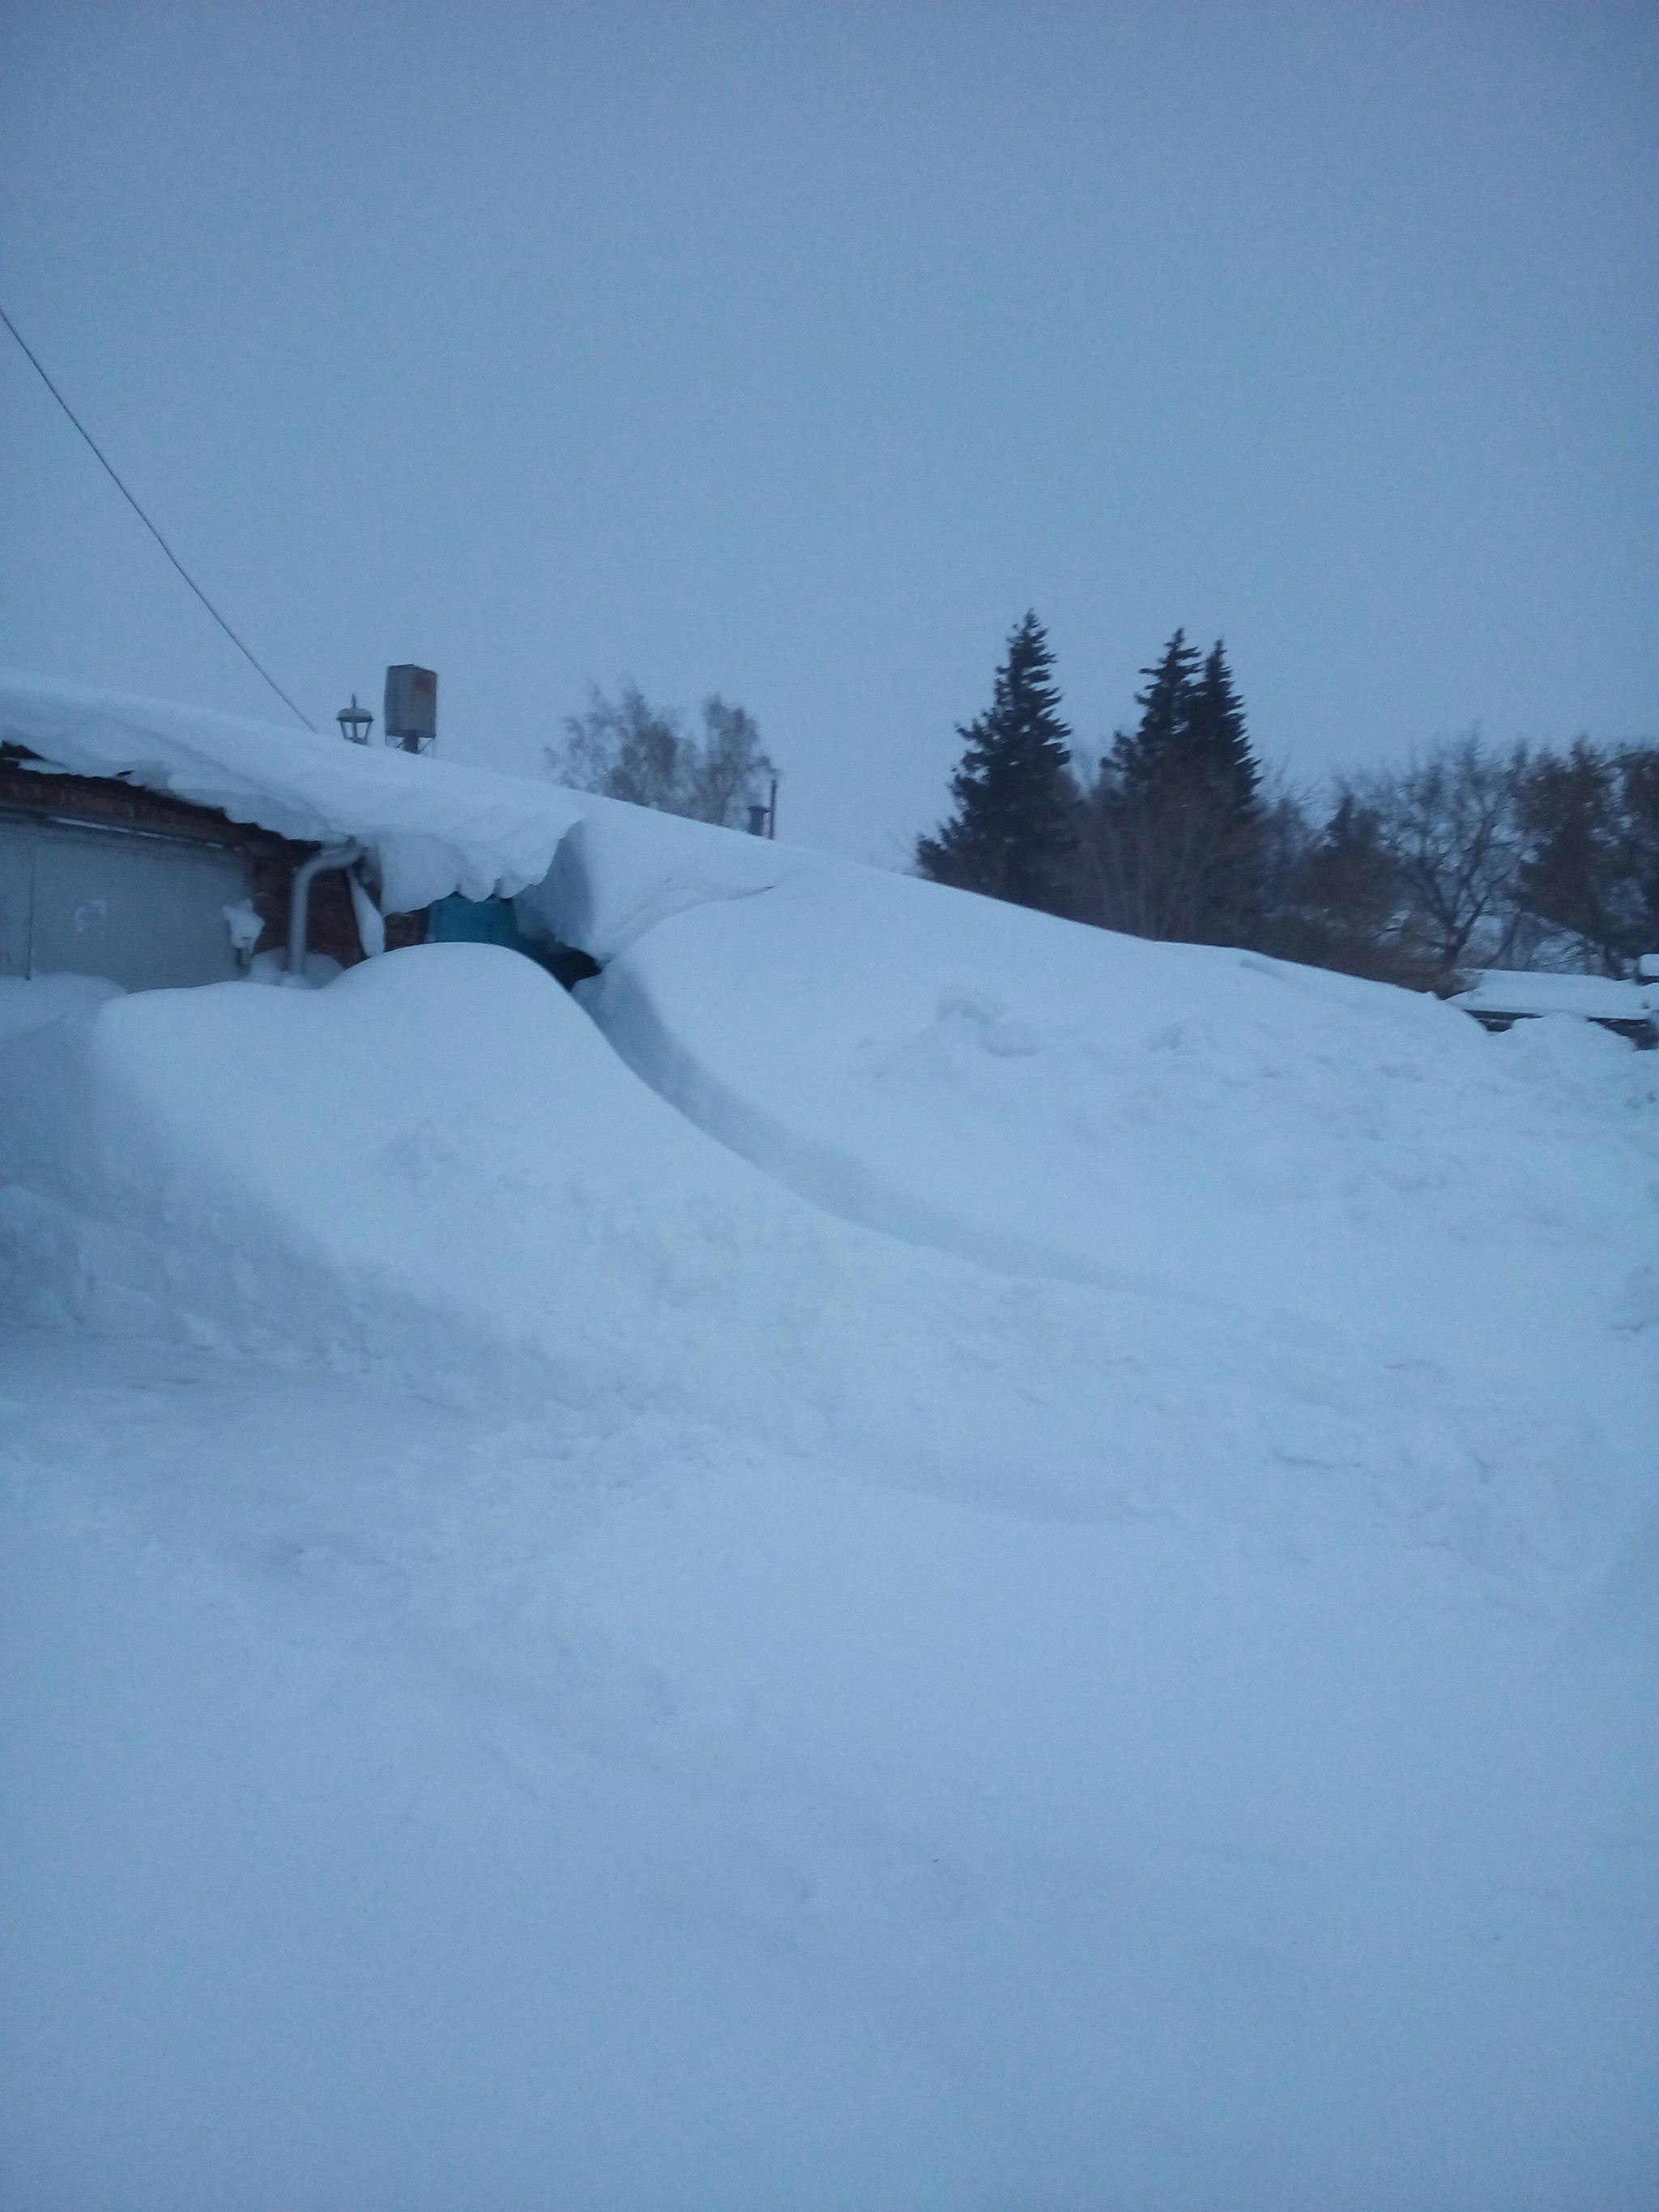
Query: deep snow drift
<point x="1066" y="1102"/>
<point x="1074" y="1630"/>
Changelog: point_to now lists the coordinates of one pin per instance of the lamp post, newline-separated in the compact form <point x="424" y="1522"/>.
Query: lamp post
<point x="355" y="722"/>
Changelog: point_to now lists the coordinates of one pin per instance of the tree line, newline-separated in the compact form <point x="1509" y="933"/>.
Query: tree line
<point x="1466" y="856"/>
<point x="629" y="749"/>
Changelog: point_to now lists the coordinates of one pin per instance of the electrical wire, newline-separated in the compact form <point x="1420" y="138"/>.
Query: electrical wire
<point x="149" y="525"/>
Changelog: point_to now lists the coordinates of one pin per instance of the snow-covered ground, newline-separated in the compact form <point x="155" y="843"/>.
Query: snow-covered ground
<point x="1025" y="1579"/>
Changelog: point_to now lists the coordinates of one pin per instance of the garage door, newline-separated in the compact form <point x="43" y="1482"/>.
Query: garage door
<point x="147" y="912"/>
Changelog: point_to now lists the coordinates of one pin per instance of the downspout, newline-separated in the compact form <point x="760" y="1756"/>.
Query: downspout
<point x="299" y="909"/>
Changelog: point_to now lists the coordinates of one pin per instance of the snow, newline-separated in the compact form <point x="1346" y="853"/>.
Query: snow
<point x="622" y="869"/>
<point x="50" y="999"/>
<point x="916" y="1558"/>
<point x="1046" y="1099"/>
<point x="434" y="826"/>
<point x="247" y="924"/>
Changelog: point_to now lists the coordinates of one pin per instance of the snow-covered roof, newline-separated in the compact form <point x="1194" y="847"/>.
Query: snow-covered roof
<point x="434" y="826"/>
<point x="1519" y="991"/>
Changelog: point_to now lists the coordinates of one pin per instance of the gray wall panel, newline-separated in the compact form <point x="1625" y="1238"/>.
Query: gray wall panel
<point x="147" y="912"/>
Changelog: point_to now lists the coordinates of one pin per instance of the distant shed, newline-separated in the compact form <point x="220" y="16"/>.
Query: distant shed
<point x="1499" y="997"/>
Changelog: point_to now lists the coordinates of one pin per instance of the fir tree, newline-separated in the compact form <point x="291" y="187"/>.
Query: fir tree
<point x="1175" y="825"/>
<point x="1012" y="832"/>
<point x="1216" y="737"/>
<point x="1154" y="758"/>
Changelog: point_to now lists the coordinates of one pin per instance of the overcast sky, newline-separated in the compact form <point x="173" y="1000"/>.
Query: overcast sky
<point x="794" y="352"/>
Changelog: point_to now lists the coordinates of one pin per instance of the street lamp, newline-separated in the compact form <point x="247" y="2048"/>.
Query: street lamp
<point x="355" y="722"/>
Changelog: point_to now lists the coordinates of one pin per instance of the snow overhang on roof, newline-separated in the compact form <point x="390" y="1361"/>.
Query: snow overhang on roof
<point x="434" y="827"/>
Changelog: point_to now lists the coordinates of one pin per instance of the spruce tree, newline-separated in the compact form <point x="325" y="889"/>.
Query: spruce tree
<point x="1220" y="748"/>
<point x="1216" y="734"/>
<point x="1174" y="824"/>
<point x="1011" y="833"/>
<point x="1155" y="759"/>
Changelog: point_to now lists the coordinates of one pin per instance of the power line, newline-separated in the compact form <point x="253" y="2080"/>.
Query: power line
<point x="149" y="525"/>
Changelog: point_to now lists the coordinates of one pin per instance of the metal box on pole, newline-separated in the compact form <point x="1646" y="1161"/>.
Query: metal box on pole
<point x="410" y="720"/>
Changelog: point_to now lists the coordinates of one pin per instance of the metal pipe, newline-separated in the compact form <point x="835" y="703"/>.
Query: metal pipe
<point x="299" y="905"/>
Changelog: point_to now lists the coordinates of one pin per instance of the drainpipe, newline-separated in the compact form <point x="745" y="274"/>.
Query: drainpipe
<point x="298" y="909"/>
